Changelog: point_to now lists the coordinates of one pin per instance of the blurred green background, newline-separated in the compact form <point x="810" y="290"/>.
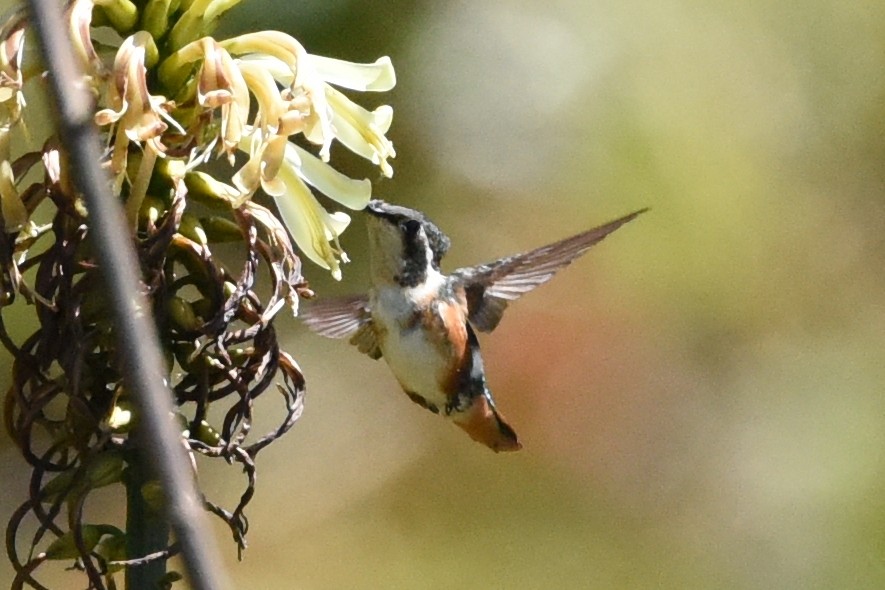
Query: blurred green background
<point x="700" y="398"/>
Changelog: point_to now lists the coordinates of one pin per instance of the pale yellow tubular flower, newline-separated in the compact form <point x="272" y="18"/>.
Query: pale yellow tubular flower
<point x="271" y="161"/>
<point x="139" y="116"/>
<point x="373" y="77"/>
<point x="267" y="96"/>
<point x="353" y="194"/>
<point x="265" y="160"/>
<point x="220" y="84"/>
<point x="273" y="66"/>
<point x="306" y="85"/>
<point x="363" y="131"/>
<point x="248" y="178"/>
<point x="314" y="229"/>
<point x="307" y="104"/>
<point x="275" y="44"/>
<point x="276" y="120"/>
<point x="275" y="114"/>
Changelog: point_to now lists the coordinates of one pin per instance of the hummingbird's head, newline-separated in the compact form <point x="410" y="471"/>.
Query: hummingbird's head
<point x="403" y="244"/>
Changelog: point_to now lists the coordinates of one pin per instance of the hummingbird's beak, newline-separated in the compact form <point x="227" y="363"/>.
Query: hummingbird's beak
<point x="390" y="213"/>
<point x="378" y="208"/>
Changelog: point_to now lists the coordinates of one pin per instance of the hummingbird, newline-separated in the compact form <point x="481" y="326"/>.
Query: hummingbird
<point x="424" y="322"/>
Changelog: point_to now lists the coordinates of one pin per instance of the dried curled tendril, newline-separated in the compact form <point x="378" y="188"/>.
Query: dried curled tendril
<point x="67" y="409"/>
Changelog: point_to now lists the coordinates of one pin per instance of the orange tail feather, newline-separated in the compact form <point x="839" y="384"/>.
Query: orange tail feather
<point x="485" y="425"/>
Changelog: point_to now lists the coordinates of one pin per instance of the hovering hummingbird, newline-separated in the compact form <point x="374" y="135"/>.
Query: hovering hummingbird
<point x="422" y="321"/>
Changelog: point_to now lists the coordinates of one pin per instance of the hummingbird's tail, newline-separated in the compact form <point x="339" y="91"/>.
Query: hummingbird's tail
<point x="485" y="425"/>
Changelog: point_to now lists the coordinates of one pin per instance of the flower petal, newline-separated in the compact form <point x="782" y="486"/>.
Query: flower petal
<point x="374" y="77"/>
<point x="362" y="131"/>
<point x="352" y="193"/>
<point x="310" y="225"/>
<point x="274" y="66"/>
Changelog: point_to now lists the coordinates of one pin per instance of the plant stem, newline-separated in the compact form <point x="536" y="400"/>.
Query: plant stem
<point x="147" y="530"/>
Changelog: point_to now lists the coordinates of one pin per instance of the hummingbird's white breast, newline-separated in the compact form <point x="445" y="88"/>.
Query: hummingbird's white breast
<point x="413" y="328"/>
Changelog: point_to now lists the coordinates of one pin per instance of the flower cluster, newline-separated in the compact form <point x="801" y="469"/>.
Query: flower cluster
<point x="201" y="134"/>
<point x="254" y="94"/>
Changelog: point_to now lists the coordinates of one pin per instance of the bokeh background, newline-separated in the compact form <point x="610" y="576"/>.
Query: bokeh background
<point x="700" y="398"/>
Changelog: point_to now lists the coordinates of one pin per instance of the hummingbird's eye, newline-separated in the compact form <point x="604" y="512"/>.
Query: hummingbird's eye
<point x="410" y="226"/>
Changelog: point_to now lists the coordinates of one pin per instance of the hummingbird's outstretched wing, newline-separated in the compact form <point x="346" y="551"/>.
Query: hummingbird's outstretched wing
<point x="344" y="317"/>
<point x="489" y="287"/>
